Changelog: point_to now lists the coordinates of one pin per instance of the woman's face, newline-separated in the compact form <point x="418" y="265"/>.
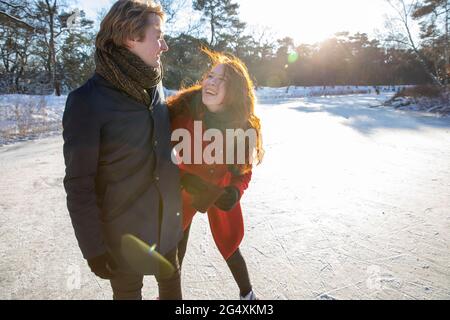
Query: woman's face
<point x="214" y="89"/>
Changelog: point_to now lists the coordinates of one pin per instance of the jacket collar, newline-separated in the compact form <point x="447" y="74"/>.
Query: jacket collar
<point x="154" y="96"/>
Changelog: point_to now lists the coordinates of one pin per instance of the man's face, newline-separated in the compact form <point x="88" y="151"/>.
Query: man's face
<point x="150" y="48"/>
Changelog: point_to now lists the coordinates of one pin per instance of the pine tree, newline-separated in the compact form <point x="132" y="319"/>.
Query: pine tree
<point x="222" y="16"/>
<point x="34" y="50"/>
<point x="16" y="34"/>
<point x="52" y="17"/>
<point x="76" y="57"/>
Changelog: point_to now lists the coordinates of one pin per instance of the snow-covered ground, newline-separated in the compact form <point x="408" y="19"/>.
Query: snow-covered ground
<point x="28" y="117"/>
<point x="266" y="93"/>
<point x="25" y="117"/>
<point x="351" y="202"/>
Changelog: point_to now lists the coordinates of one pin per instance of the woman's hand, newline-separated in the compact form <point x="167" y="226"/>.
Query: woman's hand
<point x="193" y="184"/>
<point x="229" y="199"/>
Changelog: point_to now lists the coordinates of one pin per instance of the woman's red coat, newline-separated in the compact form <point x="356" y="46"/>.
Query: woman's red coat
<point x="227" y="227"/>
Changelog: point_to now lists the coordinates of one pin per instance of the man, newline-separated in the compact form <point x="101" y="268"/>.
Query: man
<point x="119" y="175"/>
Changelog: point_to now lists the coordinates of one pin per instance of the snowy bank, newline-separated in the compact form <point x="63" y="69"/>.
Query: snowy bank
<point x="438" y="105"/>
<point x="24" y="117"/>
<point x="266" y="93"/>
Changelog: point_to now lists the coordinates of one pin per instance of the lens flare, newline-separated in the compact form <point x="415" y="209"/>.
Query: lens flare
<point x="292" y="57"/>
<point x="144" y="259"/>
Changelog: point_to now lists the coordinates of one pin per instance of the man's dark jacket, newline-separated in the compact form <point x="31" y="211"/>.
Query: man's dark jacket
<point x="119" y="174"/>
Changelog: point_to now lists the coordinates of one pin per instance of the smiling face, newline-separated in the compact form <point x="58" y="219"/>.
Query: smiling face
<point x="150" y="48"/>
<point x="214" y="89"/>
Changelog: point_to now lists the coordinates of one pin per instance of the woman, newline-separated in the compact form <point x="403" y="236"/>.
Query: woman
<point x="224" y="100"/>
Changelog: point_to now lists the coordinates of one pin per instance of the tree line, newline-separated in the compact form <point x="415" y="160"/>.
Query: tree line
<point x="46" y="47"/>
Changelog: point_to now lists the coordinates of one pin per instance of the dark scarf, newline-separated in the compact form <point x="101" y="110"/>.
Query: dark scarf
<point x="221" y="120"/>
<point x="128" y="73"/>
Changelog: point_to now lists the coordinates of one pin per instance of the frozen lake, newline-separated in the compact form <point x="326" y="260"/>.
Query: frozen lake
<point x="352" y="201"/>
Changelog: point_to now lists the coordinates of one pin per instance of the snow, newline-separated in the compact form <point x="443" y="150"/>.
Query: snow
<point x="351" y="202"/>
<point x="439" y="105"/>
<point x="24" y="117"/>
<point x="266" y="93"/>
<point x="27" y="117"/>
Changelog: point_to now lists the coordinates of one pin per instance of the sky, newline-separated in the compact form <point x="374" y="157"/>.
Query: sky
<point x="309" y="21"/>
<point x="306" y="21"/>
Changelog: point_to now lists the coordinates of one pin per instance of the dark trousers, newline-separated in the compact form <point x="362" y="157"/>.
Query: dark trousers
<point x="236" y="264"/>
<point x="129" y="286"/>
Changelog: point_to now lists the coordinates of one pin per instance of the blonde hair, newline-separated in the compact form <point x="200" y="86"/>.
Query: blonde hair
<point x="127" y="19"/>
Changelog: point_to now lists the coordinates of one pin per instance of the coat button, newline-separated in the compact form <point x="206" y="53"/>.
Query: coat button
<point x="157" y="178"/>
<point x="155" y="143"/>
<point x="150" y="108"/>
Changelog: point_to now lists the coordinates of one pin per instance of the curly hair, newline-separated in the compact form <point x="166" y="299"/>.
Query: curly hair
<point x="240" y="99"/>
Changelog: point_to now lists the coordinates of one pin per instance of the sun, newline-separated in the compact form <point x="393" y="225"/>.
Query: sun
<point x="309" y="21"/>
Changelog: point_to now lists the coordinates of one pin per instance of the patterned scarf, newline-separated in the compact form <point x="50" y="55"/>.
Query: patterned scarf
<point x="128" y="73"/>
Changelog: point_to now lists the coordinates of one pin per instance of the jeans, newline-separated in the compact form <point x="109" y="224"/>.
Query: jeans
<point x="129" y="286"/>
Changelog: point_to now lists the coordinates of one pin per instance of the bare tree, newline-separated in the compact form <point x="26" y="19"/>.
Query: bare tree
<point x="35" y="38"/>
<point x="16" y="34"/>
<point x="434" y="17"/>
<point x="173" y="8"/>
<point x="400" y="32"/>
<point x="7" y="18"/>
<point x="181" y="18"/>
<point x="52" y="17"/>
